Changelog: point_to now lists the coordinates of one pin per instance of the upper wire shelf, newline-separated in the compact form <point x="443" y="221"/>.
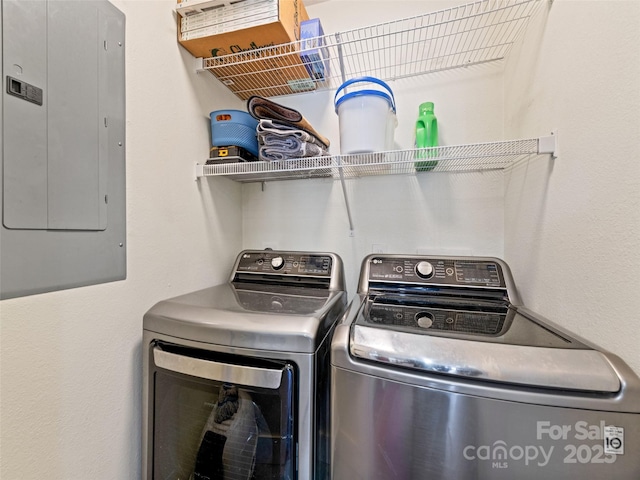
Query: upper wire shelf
<point x="469" y="34"/>
<point x="454" y="158"/>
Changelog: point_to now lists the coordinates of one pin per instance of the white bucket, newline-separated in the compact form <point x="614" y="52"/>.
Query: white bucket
<point x="367" y="117"/>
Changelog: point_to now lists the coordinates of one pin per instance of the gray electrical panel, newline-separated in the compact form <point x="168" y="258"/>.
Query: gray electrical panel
<point x="63" y="145"/>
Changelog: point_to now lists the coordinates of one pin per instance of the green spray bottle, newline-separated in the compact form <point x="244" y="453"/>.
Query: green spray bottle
<point x="426" y="135"/>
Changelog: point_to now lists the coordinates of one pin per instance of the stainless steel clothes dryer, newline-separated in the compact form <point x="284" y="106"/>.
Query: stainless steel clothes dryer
<point x="237" y="375"/>
<point x="439" y="373"/>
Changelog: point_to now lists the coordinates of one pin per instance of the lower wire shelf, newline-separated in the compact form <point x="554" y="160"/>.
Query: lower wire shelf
<point x="455" y="158"/>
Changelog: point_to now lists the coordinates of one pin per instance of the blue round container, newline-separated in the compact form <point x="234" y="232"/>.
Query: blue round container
<point x="234" y="128"/>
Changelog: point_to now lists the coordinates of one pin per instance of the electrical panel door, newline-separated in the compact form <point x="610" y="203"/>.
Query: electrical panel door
<point x="63" y="145"/>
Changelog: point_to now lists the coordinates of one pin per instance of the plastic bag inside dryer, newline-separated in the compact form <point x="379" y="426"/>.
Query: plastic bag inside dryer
<point x="229" y="446"/>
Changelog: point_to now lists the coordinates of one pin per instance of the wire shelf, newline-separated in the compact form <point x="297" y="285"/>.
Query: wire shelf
<point x="455" y="158"/>
<point x="470" y="34"/>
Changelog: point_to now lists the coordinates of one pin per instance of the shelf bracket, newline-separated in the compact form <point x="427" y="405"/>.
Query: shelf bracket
<point x="198" y="64"/>
<point x="340" y="57"/>
<point x="549" y="144"/>
<point x="199" y="171"/>
<point x="346" y="196"/>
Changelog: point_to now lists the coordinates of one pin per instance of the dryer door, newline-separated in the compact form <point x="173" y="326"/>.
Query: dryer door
<point x="220" y="416"/>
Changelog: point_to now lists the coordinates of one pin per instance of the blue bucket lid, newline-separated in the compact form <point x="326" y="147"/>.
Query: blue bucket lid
<point x="388" y="97"/>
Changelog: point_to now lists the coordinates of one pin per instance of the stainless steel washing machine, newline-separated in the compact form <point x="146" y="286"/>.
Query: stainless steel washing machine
<point x="237" y="375"/>
<point x="439" y="373"/>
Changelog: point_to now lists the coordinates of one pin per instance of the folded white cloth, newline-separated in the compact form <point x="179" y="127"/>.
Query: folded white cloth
<point x="280" y="141"/>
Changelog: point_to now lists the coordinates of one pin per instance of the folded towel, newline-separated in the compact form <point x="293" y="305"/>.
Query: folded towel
<point x="281" y="142"/>
<point x="262" y="108"/>
<point x="271" y="127"/>
<point x="288" y="149"/>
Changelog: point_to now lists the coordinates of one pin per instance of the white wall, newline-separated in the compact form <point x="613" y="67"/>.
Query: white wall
<point x="459" y="213"/>
<point x="569" y="228"/>
<point x="447" y="213"/>
<point x="71" y="360"/>
<point x="572" y="226"/>
<point x="555" y="223"/>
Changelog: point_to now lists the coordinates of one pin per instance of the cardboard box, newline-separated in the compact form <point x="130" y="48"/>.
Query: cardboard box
<point x="284" y="30"/>
<point x="275" y="72"/>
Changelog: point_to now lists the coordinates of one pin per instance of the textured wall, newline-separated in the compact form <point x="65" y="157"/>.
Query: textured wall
<point x="458" y="213"/>
<point x="572" y="226"/>
<point x="70" y="360"/>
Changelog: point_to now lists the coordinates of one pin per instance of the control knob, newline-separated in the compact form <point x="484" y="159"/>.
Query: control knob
<point x="424" y="269"/>
<point x="277" y="263"/>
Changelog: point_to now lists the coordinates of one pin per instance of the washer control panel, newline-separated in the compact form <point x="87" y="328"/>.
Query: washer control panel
<point x="436" y="271"/>
<point x="285" y="263"/>
<point x="428" y="320"/>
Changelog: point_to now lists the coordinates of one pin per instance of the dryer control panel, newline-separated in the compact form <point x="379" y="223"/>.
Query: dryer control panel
<point x="285" y="263"/>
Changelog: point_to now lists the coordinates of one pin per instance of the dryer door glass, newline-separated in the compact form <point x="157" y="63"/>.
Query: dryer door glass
<point x="221" y="417"/>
